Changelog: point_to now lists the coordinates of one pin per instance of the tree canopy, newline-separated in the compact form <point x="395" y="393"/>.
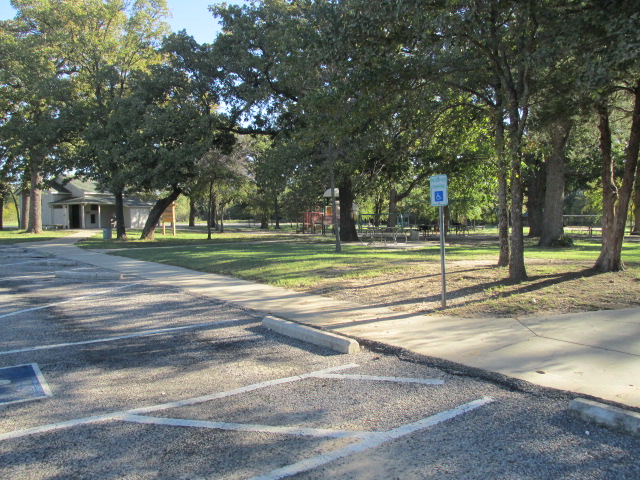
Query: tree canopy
<point x="370" y="98"/>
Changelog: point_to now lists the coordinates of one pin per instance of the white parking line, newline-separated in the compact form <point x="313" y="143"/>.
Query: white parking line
<point x="248" y="427"/>
<point x="191" y="401"/>
<point x="373" y="378"/>
<point x="146" y="333"/>
<point x="237" y="391"/>
<point x="41" y="307"/>
<point x="365" y="440"/>
<point x="373" y="441"/>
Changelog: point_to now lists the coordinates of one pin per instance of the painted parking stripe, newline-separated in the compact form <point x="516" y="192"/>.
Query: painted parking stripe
<point x="59" y="426"/>
<point x="373" y="378"/>
<point x="238" y="391"/>
<point x="146" y="333"/>
<point x="124" y="414"/>
<point x="373" y="441"/>
<point x="41" y="307"/>
<point x="247" y="427"/>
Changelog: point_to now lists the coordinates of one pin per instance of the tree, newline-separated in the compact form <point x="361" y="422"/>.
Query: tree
<point x="36" y="89"/>
<point x="173" y="122"/>
<point x="65" y="62"/>
<point x="223" y="177"/>
<point x="112" y="41"/>
<point x="607" y="50"/>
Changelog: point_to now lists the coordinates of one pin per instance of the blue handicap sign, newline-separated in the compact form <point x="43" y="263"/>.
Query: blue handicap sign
<point x="439" y="196"/>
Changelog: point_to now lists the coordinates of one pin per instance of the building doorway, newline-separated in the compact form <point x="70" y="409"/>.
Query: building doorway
<point x="74" y="216"/>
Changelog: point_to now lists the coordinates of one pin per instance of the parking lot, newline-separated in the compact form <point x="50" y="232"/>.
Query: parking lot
<point x="125" y="378"/>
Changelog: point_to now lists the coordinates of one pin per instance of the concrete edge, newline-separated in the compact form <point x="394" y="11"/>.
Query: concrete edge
<point x="311" y="335"/>
<point x="90" y="275"/>
<point x="614" y="418"/>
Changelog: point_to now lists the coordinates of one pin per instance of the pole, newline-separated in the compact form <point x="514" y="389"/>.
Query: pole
<point x="442" y="262"/>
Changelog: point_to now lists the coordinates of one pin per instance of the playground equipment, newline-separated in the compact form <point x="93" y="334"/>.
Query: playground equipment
<point x="311" y="222"/>
<point x="321" y="220"/>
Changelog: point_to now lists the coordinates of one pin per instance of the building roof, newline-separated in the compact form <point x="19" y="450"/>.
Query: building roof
<point x="102" y="200"/>
<point x="86" y="186"/>
<point x="90" y="194"/>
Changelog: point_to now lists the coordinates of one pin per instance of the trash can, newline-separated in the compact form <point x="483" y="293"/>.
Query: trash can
<point x="106" y="233"/>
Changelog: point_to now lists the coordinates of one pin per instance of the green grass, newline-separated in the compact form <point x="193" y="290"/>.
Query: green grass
<point x="20" y="236"/>
<point x="191" y="237"/>
<point x="299" y="261"/>
<point x="284" y="264"/>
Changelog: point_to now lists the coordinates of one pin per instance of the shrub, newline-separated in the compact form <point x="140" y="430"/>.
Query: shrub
<point x="565" y="241"/>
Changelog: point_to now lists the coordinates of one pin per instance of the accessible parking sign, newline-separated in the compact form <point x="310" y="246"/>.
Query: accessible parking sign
<point x="439" y="191"/>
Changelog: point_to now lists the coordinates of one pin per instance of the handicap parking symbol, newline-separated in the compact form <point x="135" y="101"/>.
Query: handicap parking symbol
<point x="439" y="196"/>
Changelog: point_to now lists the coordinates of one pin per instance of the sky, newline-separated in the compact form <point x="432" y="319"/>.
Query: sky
<point x="190" y="15"/>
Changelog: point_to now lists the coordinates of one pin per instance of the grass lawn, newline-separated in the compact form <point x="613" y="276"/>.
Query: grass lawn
<point x="20" y="236"/>
<point x="190" y="237"/>
<point x="560" y="280"/>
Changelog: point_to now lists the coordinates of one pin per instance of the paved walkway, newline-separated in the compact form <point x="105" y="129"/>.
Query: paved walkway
<point x="595" y="353"/>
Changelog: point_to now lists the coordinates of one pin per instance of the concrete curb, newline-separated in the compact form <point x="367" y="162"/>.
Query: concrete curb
<point x="614" y="418"/>
<point x="90" y="275"/>
<point x="311" y="335"/>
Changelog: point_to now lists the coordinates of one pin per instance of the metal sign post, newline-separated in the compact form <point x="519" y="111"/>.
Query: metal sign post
<point x="443" y="272"/>
<point x="439" y="190"/>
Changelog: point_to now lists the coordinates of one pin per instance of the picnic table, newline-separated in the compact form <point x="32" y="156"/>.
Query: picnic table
<point x="384" y="234"/>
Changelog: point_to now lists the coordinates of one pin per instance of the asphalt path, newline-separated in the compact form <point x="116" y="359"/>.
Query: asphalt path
<point x="132" y="379"/>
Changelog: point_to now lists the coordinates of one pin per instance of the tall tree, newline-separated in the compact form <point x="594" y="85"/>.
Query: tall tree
<point x="111" y="41"/>
<point x="607" y="48"/>
<point x="173" y="121"/>
<point x="37" y="83"/>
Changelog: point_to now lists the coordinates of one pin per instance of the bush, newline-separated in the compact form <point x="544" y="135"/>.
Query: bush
<point x="565" y="241"/>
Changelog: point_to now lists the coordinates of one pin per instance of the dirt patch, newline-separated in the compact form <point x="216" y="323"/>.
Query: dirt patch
<point x="478" y="288"/>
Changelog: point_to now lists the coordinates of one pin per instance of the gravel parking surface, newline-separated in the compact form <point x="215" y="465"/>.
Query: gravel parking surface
<point x="151" y="382"/>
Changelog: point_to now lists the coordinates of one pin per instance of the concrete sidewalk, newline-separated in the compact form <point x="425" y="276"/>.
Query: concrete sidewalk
<point x="595" y="353"/>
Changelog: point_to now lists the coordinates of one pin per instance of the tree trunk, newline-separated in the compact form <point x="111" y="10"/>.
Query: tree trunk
<point x="334" y="209"/>
<point x="636" y="205"/>
<point x="15" y="204"/>
<point x="392" y="219"/>
<point x="535" y="198"/>
<point x="610" y="259"/>
<point x="24" y="203"/>
<point x="121" y="228"/>
<point x="192" y="212"/>
<point x="35" y="201"/>
<point x="517" y="270"/>
<point x="154" y="215"/>
<point x="446" y="214"/>
<point x="264" y="220"/>
<point x="348" y="230"/>
<point x="503" y="213"/>
<point x="24" y="210"/>
<point x="606" y="261"/>
<point x="1" y="210"/>
<point x="277" y="212"/>
<point x="210" y="209"/>
<point x="377" y="210"/>
<point x="553" y="225"/>
<point x="221" y="223"/>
